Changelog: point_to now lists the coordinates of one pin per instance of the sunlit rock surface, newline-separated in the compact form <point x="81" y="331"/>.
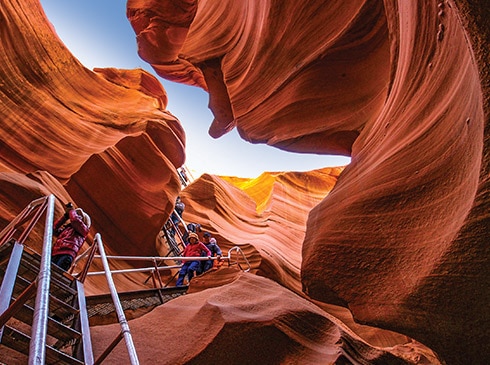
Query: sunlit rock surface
<point x="403" y="88"/>
<point x="105" y="137"/>
<point x="267" y="324"/>
<point x="402" y="238"/>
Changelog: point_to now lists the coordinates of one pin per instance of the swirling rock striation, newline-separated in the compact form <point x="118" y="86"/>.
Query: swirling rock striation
<point x="401" y="87"/>
<point x="105" y="137"/>
<point x="402" y="238"/>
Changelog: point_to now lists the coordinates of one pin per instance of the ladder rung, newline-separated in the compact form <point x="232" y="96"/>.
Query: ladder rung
<point x="21" y="283"/>
<point x="61" y="308"/>
<point x="33" y="269"/>
<point x="55" y="329"/>
<point x="19" y="342"/>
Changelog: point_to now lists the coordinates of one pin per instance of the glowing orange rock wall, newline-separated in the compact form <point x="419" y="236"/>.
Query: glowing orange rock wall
<point x="402" y="240"/>
<point x="104" y="135"/>
<point x="402" y="87"/>
<point x="265" y="216"/>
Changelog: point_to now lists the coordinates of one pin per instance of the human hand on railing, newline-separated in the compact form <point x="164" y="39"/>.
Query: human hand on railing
<point x="218" y="257"/>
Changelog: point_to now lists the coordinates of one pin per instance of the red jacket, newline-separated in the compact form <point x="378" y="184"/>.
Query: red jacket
<point x="71" y="236"/>
<point x="195" y="250"/>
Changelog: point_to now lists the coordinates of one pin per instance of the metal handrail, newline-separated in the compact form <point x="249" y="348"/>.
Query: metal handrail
<point x="141" y="269"/>
<point x="37" y="349"/>
<point x="20" y="219"/>
<point x="239" y="250"/>
<point x="37" y="346"/>
<point x="125" y="331"/>
<point x="169" y="267"/>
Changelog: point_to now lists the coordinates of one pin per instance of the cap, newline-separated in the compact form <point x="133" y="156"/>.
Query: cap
<point x="192" y="234"/>
<point x="207" y="234"/>
<point x="85" y="217"/>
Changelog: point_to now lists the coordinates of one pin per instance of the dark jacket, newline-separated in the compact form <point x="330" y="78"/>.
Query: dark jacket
<point x="70" y="237"/>
<point x="213" y="247"/>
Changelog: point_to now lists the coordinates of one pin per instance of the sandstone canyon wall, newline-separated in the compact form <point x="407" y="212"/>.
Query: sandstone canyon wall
<point x="401" y="241"/>
<point x="104" y="135"/>
<point x="400" y="86"/>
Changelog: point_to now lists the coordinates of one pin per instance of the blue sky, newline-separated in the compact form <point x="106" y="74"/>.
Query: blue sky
<point x="98" y="33"/>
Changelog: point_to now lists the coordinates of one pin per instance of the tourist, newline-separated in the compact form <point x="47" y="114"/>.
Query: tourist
<point x="69" y="237"/>
<point x="212" y="245"/>
<point x="195" y="248"/>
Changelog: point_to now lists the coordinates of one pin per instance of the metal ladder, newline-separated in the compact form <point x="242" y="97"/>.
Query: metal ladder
<point x="67" y="315"/>
<point x="43" y="311"/>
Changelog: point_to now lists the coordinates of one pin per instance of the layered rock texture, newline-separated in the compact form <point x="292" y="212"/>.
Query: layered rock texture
<point x="361" y="264"/>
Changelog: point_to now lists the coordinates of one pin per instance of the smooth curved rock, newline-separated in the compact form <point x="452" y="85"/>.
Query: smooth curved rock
<point x="105" y="135"/>
<point x="296" y="331"/>
<point x="402" y="240"/>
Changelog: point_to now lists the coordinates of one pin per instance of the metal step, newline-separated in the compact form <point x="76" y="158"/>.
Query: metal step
<point x="19" y="342"/>
<point x="57" y="306"/>
<point x="56" y="272"/>
<point x="101" y="306"/>
<point x="29" y="272"/>
<point x="56" y="329"/>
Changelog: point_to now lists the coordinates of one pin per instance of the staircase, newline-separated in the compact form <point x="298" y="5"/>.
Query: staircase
<point x="44" y="313"/>
<point x="44" y="317"/>
<point x="67" y="339"/>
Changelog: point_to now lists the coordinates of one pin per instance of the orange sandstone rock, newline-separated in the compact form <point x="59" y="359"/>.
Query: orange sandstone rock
<point x="402" y="87"/>
<point x="402" y="238"/>
<point x="105" y="136"/>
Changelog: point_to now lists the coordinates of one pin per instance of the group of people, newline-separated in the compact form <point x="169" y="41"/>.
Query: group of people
<point x="195" y="248"/>
<point x="72" y="228"/>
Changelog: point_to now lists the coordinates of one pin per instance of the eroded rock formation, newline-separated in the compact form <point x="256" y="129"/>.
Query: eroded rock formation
<point x="401" y="240"/>
<point x="402" y="87"/>
<point x="104" y="135"/>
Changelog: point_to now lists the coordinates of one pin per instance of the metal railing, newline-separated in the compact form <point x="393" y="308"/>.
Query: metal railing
<point x="125" y="331"/>
<point x="154" y="259"/>
<point x="37" y="349"/>
<point x="37" y="346"/>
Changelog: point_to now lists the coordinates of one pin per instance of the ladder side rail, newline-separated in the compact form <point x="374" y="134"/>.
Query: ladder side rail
<point x="171" y="242"/>
<point x="181" y="236"/>
<point x="188" y="174"/>
<point x="125" y="331"/>
<point x="8" y="283"/>
<point x="20" y="219"/>
<point x="82" y="275"/>
<point x="88" y="354"/>
<point x="176" y="227"/>
<point x="37" y="345"/>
